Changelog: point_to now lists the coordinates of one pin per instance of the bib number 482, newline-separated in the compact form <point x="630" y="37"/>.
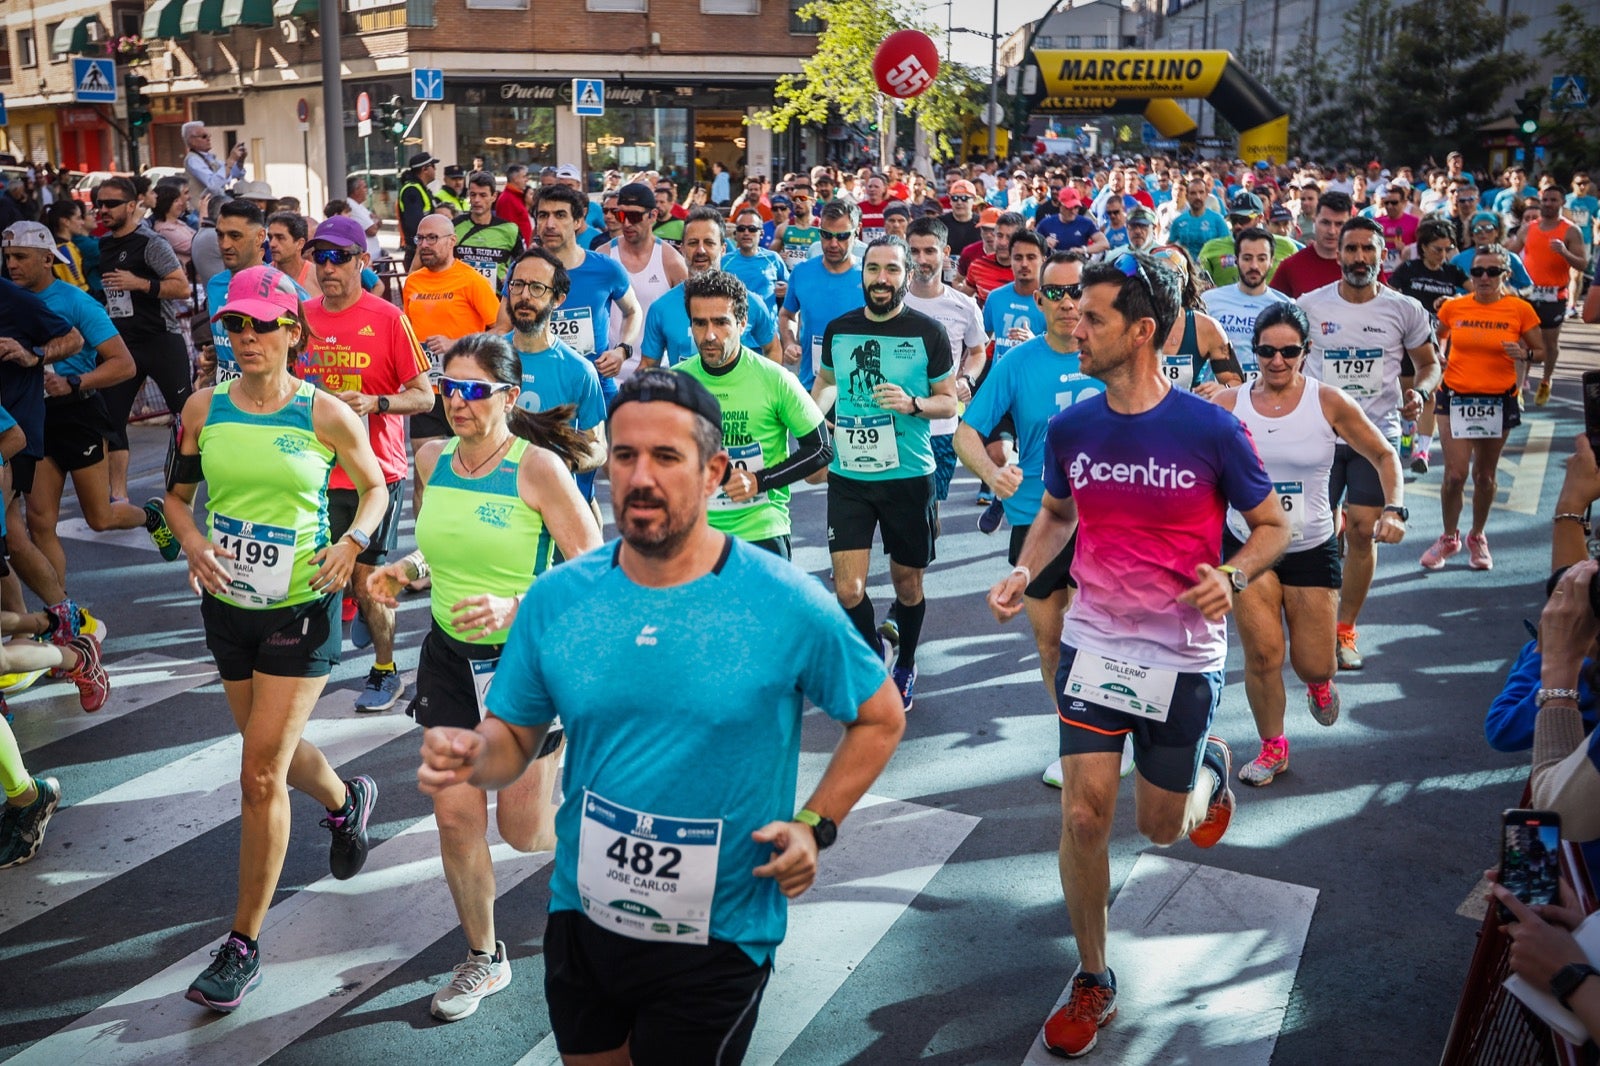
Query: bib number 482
<point x="645" y="857"/>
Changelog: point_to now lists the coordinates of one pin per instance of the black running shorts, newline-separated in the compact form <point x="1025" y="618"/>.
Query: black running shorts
<point x="445" y="693"/>
<point x="342" y="504"/>
<point x="904" y="508"/>
<point x="298" y="641"/>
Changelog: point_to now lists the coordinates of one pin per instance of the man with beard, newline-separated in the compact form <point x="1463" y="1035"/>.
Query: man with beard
<point x="762" y="406"/>
<point x="1361" y="332"/>
<point x="894" y="373"/>
<point x="653" y="265"/>
<point x="362" y="350"/>
<point x="1550" y="250"/>
<point x="1236" y="306"/>
<point x="1199" y="224"/>
<point x="667" y="334"/>
<point x="763" y="271"/>
<point x="705" y="755"/>
<point x="598" y="283"/>
<point x="820" y="290"/>
<point x="553" y="375"/>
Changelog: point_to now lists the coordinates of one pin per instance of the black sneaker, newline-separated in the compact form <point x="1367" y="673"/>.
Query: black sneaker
<point x="348" y="853"/>
<point x="22" y="828"/>
<point x="226" y="981"/>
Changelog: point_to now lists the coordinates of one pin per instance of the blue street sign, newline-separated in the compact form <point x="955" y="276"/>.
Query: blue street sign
<point x="94" y="81"/>
<point x="427" y="83"/>
<point x="1569" y="92"/>
<point x="3" y="120"/>
<point x="588" y="97"/>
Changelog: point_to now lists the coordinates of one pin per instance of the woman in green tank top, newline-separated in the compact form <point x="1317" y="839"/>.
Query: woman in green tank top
<point x="498" y="503"/>
<point x="269" y="582"/>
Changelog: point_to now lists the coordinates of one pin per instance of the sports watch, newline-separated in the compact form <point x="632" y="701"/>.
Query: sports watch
<point x="1403" y="513"/>
<point x="822" y="828"/>
<point x="362" y="540"/>
<point x="1238" y="578"/>
<point x="1568" y="978"/>
<point x="383" y="405"/>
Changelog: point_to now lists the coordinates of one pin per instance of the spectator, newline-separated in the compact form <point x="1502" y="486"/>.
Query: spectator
<point x="207" y="173"/>
<point x="64" y="219"/>
<point x="172" y="202"/>
<point x="416" y="200"/>
<point x="512" y="204"/>
<point x="358" y="192"/>
<point x="721" y="185"/>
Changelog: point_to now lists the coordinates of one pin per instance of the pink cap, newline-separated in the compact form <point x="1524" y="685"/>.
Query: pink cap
<point x="262" y="292"/>
<point x="1070" y="197"/>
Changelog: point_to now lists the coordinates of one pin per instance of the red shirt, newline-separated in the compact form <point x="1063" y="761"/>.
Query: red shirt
<point x="986" y="274"/>
<point x="368" y="347"/>
<point x="513" y="207"/>
<point x="1305" y="270"/>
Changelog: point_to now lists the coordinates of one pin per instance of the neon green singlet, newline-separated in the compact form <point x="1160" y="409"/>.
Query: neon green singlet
<point x="479" y="537"/>
<point x="267" y="497"/>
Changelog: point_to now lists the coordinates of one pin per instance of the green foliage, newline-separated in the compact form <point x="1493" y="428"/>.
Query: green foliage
<point x="837" y="78"/>
<point x="1573" y="137"/>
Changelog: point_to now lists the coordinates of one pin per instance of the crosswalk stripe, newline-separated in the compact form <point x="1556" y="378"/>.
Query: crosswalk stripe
<point x="137" y="681"/>
<point x="321" y="947"/>
<point x="886" y="854"/>
<point x="1205" y="961"/>
<point x="78" y="529"/>
<point x="139" y="820"/>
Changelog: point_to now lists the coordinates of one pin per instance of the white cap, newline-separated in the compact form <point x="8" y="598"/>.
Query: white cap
<point x="32" y="235"/>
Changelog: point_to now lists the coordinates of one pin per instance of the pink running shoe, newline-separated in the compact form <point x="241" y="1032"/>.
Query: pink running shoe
<point x="1440" y="550"/>
<point x="1478" y="552"/>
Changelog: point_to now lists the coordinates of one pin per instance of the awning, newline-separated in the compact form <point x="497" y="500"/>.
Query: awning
<point x="288" y="9"/>
<point x="163" y="21"/>
<point x="77" y="36"/>
<point x="201" y="16"/>
<point x="247" y="13"/>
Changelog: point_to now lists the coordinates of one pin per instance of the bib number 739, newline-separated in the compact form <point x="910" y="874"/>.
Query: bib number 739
<point x="646" y="859"/>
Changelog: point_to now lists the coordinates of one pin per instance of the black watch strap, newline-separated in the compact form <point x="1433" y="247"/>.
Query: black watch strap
<point x="383" y="405"/>
<point x="1569" y="978"/>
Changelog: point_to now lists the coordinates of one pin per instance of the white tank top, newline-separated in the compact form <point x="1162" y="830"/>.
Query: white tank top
<point x="648" y="284"/>
<point x="1297" y="449"/>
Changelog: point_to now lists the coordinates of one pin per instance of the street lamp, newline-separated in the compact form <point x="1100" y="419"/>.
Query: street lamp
<point x="994" y="36"/>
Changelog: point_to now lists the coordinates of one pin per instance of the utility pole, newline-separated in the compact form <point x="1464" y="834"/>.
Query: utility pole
<point x="332" y="101"/>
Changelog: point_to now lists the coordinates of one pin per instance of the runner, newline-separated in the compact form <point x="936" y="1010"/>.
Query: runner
<point x="1198" y="225"/>
<point x="1552" y="249"/>
<point x="1360" y="332"/>
<point x="1011" y="315"/>
<point x="763" y="272"/>
<point x="901" y="374"/>
<point x="667" y="334"/>
<point x="1486" y="335"/>
<point x="1196" y="356"/>
<point x="1399" y="227"/>
<point x="362" y="350"/>
<point x="1218" y="258"/>
<point x="960" y="222"/>
<point x="286" y="237"/>
<point x="270" y="582"/>
<point x="484" y="241"/>
<point x="1297" y="423"/>
<point x="500" y="505"/>
<point x="653" y="266"/>
<point x="512" y="203"/>
<point x="241" y="243"/>
<point x="1319" y="262"/>
<point x="1235" y="307"/>
<point x="1144" y="476"/>
<point x="1430" y="279"/>
<point x="820" y="290"/>
<point x="793" y="241"/>
<point x="1067" y="229"/>
<point x="762" y="404"/>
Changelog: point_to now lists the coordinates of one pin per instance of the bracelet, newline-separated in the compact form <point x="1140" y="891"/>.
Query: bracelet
<point x="1572" y="516"/>
<point x="416" y="562"/>
<point x="1024" y="571"/>
<point x="155" y="287"/>
<point x="1545" y="695"/>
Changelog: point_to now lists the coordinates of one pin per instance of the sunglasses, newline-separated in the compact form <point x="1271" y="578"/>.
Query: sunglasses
<point x="1391" y="203"/>
<point x="106" y="205"/>
<point x="747" y="229"/>
<point x="332" y="256"/>
<point x="1054" y="293"/>
<point x="1485" y="229"/>
<point x="1130" y="267"/>
<point x="627" y="215"/>
<point x="232" y="322"/>
<point x="1266" y="353"/>
<point x="537" y="289"/>
<point x="961" y="199"/>
<point x="471" y="390"/>
<point x="1487" y="272"/>
<point x="829" y="235"/>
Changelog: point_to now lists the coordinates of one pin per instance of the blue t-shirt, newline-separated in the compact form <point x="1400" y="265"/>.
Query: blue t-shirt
<point x="649" y="747"/>
<point x="1583" y="210"/>
<point x="666" y="327"/>
<point x="1003" y="309"/>
<point x="91" y="320"/>
<point x="1519" y="273"/>
<point x="1502" y="199"/>
<point x="583" y="321"/>
<point x="819" y="296"/>
<point x="1236" y="313"/>
<point x="28" y="320"/>
<point x="1193" y="233"/>
<point x="6" y="422"/>
<point x="1068" y="235"/>
<point x="216" y="297"/>
<point x="558" y="375"/>
<point x="760" y="273"/>
<point x="1032" y="384"/>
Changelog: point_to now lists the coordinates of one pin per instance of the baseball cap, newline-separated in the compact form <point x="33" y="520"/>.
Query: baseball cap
<point x="1244" y="203"/>
<point x="1070" y="197"/>
<point x="31" y="235"/>
<point x="569" y="172"/>
<point x="340" y="231"/>
<point x="421" y="159"/>
<point x="989" y="218"/>
<point x="1280" y="214"/>
<point x="637" y="194"/>
<point x="454" y="171"/>
<point x="780" y="201"/>
<point x="1261" y="164"/>
<point x="1141" y="216"/>
<point x="896" y="207"/>
<point x="262" y="292"/>
<point x="659" y="385"/>
<point x="963" y="187"/>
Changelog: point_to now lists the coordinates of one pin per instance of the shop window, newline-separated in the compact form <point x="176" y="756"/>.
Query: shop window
<point x="27" y="54"/>
<point x="730" y="7"/>
<point x="636" y="6"/>
<point x="503" y="135"/>
<point x="5" y="57"/>
<point x="797" y="25"/>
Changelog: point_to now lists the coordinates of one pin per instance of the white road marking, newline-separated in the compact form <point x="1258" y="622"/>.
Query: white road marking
<point x="137" y="681"/>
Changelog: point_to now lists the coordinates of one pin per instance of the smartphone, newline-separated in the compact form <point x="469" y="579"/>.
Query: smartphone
<point x="1530" y="857"/>
<point x="1591" y="408"/>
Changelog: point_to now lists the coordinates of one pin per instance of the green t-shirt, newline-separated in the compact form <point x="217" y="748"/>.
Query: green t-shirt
<point x="762" y="406"/>
<point x="912" y="350"/>
<point x="1218" y="254"/>
<point x="488" y="249"/>
<point x="795" y="246"/>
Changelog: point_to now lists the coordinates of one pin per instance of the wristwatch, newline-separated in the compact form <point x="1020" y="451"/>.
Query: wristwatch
<point x="627" y="349"/>
<point x="74" y="382"/>
<point x="822" y="828"/>
<point x="1404" y="513"/>
<point x="362" y="540"/>
<point x="383" y="405"/>
<point x="1237" y="577"/>
<point x="1568" y="978"/>
<point x="916" y="408"/>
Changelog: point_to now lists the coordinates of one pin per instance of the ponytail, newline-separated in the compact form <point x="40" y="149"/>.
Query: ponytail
<point x="551" y="429"/>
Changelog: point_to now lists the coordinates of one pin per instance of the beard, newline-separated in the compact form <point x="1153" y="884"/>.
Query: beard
<point x="529" y="326"/>
<point x="885" y="299"/>
<point x="1359" y="275"/>
<point x="655" y="539"/>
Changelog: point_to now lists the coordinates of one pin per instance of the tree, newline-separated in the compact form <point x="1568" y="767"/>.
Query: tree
<point x="1443" y="76"/>
<point x="837" y="79"/>
<point x="1573" y="135"/>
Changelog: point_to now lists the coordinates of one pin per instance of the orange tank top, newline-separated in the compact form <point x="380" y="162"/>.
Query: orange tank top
<point x="1545" y="267"/>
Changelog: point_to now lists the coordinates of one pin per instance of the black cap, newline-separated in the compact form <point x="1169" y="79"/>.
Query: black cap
<point x="454" y="171"/>
<point x="896" y="207"/>
<point x="637" y="194"/>
<point x="1244" y="203"/>
<point x="421" y="159"/>
<point x="657" y="385"/>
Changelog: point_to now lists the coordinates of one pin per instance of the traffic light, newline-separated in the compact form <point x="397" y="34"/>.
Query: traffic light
<point x="138" y="106"/>
<point x="392" y="119"/>
<point x="1529" y="106"/>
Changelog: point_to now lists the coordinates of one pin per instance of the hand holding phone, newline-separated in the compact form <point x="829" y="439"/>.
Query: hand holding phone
<point x="1530" y="858"/>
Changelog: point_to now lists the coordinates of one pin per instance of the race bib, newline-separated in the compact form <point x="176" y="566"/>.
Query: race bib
<point x="1178" y="369"/>
<point x="1548" y="294"/>
<point x="435" y="365"/>
<point x="816" y="353"/>
<point x="1477" y="417"/>
<point x="746" y="457"/>
<point x="1292" y="498"/>
<point x="646" y="876"/>
<point x="1141" y="691"/>
<point x="263" y="560"/>
<point x="482" y="674"/>
<point x="575" y="326"/>
<point x="119" y="303"/>
<point x="227" y="369"/>
<point x="866" y="444"/>
<point x="1357" y="371"/>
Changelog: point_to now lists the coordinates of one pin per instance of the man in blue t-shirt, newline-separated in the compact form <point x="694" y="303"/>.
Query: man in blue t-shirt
<point x="1011" y="315"/>
<point x="679" y="843"/>
<point x="667" y="340"/>
<point x="1070" y="228"/>
<point x="1199" y="224"/>
<point x="820" y="290"/>
<point x="583" y="321"/>
<point x="240" y="235"/>
<point x="764" y="273"/>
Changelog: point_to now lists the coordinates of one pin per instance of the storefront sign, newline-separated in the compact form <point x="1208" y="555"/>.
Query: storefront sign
<point x="80" y="118"/>
<point x="529" y="93"/>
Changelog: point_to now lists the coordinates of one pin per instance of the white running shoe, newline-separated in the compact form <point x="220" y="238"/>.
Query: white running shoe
<point x="470" y="982"/>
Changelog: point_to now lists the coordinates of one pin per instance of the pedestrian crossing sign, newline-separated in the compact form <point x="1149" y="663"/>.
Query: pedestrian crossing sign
<point x="94" y="81"/>
<point x="1569" y="92"/>
<point x="588" y="97"/>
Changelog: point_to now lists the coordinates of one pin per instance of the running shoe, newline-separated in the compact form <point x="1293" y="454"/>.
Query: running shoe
<point x="1347" y="652"/>
<point x="89" y="675"/>
<point x="985" y="497"/>
<point x="225" y="983"/>
<point x="11" y="684"/>
<point x="905" y="679"/>
<point x="92" y="627"/>
<point x="1542" y="397"/>
<point x="992" y="516"/>
<point x="890" y="631"/>
<point x="470" y="982"/>
<point x="1324" y="701"/>
<point x="348" y="853"/>
<point x="66" y="617"/>
<point x="360" y="634"/>
<point x="1478" y="557"/>
<point x="1052" y="773"/>
<point x="1440" y="550"/>
<point x="155" y="523"/>
<point x="1419" y="462"/>
<point x="24" y="826"/>
<point x="1220" y="813"/>
<point x="382" y="691"/>
<point x="1074" y="1029"/>
<point x="1273" y="760"/>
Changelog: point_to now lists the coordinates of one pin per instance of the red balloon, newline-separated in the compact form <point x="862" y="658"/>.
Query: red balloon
<point x="906" y="63"/>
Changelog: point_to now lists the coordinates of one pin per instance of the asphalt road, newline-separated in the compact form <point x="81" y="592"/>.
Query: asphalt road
<point x="940" y="936"/>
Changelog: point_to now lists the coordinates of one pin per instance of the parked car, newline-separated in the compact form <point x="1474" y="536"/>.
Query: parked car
<point x="86" y="186"/>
